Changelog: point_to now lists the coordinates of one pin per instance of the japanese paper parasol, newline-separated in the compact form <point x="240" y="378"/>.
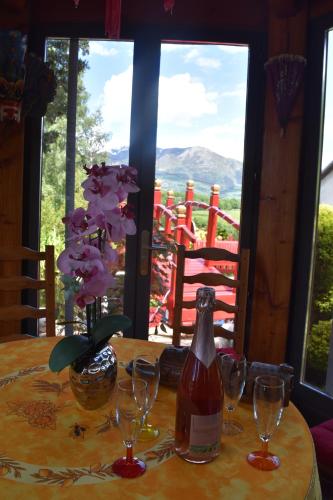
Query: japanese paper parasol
<point x="286" y="73"/>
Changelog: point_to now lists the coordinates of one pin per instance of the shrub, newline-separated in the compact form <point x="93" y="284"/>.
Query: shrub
<point x="323" y="282"/>
<point x="318" y="346"/>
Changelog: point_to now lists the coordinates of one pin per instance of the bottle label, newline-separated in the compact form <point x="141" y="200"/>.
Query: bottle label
<point x="205" y="433"/>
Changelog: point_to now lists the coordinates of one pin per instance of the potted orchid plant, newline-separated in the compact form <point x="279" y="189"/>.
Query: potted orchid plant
<point x="87" y="260"/>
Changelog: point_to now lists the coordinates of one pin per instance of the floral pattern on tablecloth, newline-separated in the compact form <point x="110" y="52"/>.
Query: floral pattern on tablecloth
<point x="72" y="450"/>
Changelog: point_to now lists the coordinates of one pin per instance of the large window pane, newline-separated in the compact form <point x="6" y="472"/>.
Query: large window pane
<point x="200" y="144"/>
<point x="104" y="92"/>
<point x="318" y="349"/>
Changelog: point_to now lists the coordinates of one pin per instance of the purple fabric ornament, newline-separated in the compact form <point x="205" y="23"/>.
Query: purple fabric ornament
<point x="286" y="73"/>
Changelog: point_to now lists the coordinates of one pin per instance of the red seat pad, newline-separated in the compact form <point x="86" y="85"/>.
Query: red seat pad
<point x="323" y="440"/>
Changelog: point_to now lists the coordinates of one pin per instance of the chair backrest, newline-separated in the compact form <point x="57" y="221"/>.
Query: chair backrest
<point x="12" y="284"/>
<point x="231" y="291"/>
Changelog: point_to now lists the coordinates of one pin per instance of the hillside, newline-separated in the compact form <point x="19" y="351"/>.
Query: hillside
<point x="175" y="166"/>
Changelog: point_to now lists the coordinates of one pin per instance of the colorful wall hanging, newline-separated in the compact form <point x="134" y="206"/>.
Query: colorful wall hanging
<point x="286" y="74"/>
<point x="12" y="52"/>
<point x="169" y="5"/>
<point x="39" y="87"/>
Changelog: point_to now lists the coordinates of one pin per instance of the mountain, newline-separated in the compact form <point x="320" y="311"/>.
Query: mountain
<point x="175" y="166"/>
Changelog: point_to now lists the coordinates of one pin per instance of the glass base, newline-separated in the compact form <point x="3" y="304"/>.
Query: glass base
<point x="148" y="432"/>
<point x="129" y="468"/>
<point x="263" y="460"/>
<point x="231" y="427"/>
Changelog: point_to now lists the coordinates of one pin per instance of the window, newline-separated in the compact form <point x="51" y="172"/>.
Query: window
<point x="310" y="347"/>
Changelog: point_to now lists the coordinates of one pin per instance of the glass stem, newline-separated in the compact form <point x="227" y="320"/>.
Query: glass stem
<point x="264" y="448"/>
<point x="129" y="453"/>
<point x="144" y="420"/>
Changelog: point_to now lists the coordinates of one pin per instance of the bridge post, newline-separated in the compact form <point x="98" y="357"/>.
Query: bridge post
<point x="179" y="237"/>
<point x="212" y="216"/>
<point x="189" y="197"/>
<point x="157" y="199"/>
<point x="170" y="201"/>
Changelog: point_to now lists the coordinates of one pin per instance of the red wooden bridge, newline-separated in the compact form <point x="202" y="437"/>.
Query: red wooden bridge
<point x="175" y="223"/>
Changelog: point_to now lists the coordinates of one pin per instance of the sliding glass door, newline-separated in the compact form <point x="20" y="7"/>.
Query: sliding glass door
<point x="177" y="112"/>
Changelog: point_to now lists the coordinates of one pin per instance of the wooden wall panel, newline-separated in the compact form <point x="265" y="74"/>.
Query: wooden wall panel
<point x="13" y="15"/>
<point x="236" y="15"/>
<point x="277" y="207"/>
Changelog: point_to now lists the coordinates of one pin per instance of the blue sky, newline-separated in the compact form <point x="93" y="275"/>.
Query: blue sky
<point x="202" y="94"/>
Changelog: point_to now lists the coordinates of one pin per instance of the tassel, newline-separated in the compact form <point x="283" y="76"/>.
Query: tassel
<point x="169" y="5"/>
<point x="112" y="18"/>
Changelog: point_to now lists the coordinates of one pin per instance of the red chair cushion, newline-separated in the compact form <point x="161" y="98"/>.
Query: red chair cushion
<point x="323" y="440"/>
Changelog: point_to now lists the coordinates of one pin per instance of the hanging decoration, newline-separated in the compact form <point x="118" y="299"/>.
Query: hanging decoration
<point x="169" y="5"/>
<point x="112" y="18"/>
<point x="113" y="15"/>
<point x="286" y="73"/>
<point x="39" y="87"/>
<point x="12" y="51"/>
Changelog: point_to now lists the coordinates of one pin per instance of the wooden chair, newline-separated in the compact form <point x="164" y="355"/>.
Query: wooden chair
<point x="235" y="288"/>
<point x="12" y="283"/>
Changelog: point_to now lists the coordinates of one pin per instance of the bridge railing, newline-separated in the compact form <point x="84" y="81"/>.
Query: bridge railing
<point x="175" y="221"/>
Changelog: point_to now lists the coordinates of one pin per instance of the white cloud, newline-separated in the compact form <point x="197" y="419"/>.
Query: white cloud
<point x="182" y="99"/>
<point x="173" y="47"/>
<point x="238" y="91"/>
<point x="116" y="107"/>
<point x="193" y="56"/>
<point x="182" y="102"/>
<point x="102" y="49"/>
<point x="224" y="139"/>
<point x="193" y="53"/>
<point x="233" y="49"/>
<point x="208" y="62"/>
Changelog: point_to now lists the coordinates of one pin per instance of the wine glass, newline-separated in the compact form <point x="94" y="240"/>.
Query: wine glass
<point x="147" y="367"/>
<point x="128" y="413"/>
<point x="268" y="399"/>
<point x="233" y="371"/>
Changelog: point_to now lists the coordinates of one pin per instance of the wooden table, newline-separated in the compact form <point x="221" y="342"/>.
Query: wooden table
<point x="41" y="457"/>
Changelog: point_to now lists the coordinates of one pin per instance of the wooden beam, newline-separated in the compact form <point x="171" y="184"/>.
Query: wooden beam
<point x="277" y="205"/>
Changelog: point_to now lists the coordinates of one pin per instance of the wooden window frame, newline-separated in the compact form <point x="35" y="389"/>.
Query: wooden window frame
<point x="147" y="40"/>
<point x="315" y="405"/>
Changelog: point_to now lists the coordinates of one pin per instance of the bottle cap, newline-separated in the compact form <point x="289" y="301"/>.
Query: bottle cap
<point x="205" y="298"/>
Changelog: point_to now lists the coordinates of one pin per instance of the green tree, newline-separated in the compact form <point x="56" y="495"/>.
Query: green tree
<point x="90" y="146"/>
<point x="323" y="280"/>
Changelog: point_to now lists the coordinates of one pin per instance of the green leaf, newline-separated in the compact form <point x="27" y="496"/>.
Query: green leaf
<point x="105" y="327"/>
<point x="67" y="351"/>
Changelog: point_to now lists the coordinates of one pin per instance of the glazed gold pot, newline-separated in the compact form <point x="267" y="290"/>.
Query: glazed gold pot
<point x="93" y="377"/>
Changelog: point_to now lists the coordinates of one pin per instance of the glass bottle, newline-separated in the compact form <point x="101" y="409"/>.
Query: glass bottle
<point x="200" y="392"/>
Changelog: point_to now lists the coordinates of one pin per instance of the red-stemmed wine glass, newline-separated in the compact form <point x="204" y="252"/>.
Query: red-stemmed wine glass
<point x="129" y="413"/>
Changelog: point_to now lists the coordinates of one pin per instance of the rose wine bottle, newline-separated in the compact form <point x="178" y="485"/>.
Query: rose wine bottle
<point x="200" y="392"/>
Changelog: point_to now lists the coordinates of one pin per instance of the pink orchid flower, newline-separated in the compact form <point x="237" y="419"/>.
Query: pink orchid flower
<point x="120" y="224"/>
<point x="79" y="259"/>
<point x="87" y="260"/>
<point x="80" y="223"/>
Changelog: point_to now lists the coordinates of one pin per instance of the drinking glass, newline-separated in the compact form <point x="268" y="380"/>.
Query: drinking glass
<point x="268" y="399"/>
<point x="128" y="413"/>
<point x="233" y="371"/>
<point x="147" y="367"/>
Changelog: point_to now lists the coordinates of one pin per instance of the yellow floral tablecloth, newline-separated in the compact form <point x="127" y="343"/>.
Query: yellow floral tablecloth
<point x="50" y="448"/>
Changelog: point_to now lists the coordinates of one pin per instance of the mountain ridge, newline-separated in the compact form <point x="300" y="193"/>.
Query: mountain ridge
<point x="175" y="166"/>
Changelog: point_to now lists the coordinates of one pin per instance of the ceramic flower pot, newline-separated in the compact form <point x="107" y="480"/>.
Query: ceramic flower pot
<point x="93" y="376"/>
